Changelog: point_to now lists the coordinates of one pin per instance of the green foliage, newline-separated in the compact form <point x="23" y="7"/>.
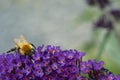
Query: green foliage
<point x="113" y="49"/>
<point x="89" y="45"/>
<point x="110" y="53"/>
<point x="92" y="46"/>
<point x="110" y="49"/>
<point x="88" y="15"/>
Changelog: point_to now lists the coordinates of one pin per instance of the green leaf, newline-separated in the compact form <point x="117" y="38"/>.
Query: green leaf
<point x="113" y="49"/>
<point x="92" y="42"/>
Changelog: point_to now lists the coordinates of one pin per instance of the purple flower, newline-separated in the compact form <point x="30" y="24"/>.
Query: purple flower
<point x="19" y="63"/>
<point x="36" y="57"/>
<point x="74" y="69"/>
<point x="37" y="65"/>
<point x="91" y="2"/>
<point x="98" y="65"/>
<point x="60" y="70"/>
<point x="82" y="78"/>
<point x="49" y="49"/>
<point x="83" y="65"/>
<point x="52" y="63"/>
<point x="39" y="72"/>
<point x="27" y="70"/>
<point x="101" y="3"/>
<point x="61" y="60"/>
<point x="103" y="22"/>
<point x="10" y="68"/>
<point x="79" y="55"/>
<point x="65" y="74"/>
<point x="118" y="77"/>
<point x="54" y="66"/>
<point x="110" y="77"/>
<point x="45" y="63"/>
<point x="71" y="76"/>
<point x="115" y="13"/>
<point x="40" y="49"/>
<point x="19" y="74"/>
<point x="85" y="68"/>
<point x="48" y="70"/>
<point x="70" y="55"/>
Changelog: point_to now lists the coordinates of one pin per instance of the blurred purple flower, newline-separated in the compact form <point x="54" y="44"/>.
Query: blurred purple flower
<point x="115" y="13"/>
<point x="101" y="3"/>
<point x="103" y="22"/>
<point x="91" y="2"/>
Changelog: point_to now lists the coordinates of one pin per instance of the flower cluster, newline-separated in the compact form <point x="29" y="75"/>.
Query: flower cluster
<point x="109" y="17"/>
<point x="52" y="63"/>
<point x="104" y="20"/>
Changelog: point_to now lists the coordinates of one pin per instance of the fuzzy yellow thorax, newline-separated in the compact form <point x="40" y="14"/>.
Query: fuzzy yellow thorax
<point x="25" y="47"/>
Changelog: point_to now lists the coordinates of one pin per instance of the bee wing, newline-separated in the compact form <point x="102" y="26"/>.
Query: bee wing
<point x="17" y="41"/>
<point x="23" y="38"/>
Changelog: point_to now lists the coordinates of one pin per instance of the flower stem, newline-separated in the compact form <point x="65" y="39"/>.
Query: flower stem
<point x="103" y="44"/>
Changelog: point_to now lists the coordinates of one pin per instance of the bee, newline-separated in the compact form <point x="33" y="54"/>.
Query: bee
<point x="23" y="46"/>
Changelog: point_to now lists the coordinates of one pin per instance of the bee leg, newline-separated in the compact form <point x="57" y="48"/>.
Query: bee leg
<point x="13" y="49"/>
<point x="33" y="51"/>
<point x="18" y="50"/>
<point x="33" y="45"/>
<point x="34" y="48"/>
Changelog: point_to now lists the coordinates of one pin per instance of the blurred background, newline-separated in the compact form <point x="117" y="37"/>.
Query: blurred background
<point x="72" y="24"/>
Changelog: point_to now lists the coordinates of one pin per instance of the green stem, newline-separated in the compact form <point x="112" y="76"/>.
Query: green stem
<point x="117" y="35"/>
<point x="103" y="44"/>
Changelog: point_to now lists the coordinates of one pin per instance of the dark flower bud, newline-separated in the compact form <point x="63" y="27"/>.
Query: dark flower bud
<point x="115" y="13"/>
<point x="109" y="25"/>
<point x="103" y="3"/>
<point x="103" y="22"/>
<point x="91" y="2"/>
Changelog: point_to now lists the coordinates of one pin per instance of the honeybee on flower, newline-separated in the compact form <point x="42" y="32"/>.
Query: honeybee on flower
<point x="23" y="46"/>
